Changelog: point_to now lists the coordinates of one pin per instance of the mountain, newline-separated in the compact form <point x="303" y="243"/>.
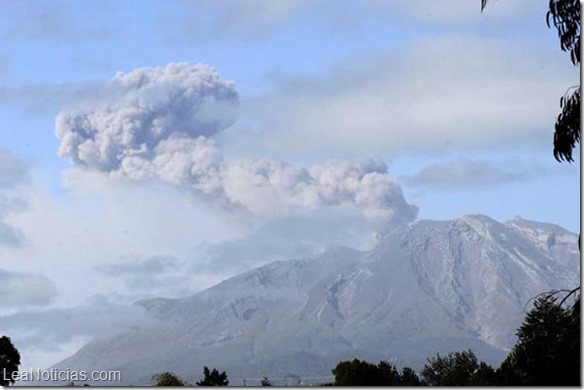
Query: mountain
<point x="433" y="286"/>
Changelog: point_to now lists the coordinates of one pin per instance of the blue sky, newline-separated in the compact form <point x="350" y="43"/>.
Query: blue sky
<point x="48" y="47"/>
<point x="460" y="106"/>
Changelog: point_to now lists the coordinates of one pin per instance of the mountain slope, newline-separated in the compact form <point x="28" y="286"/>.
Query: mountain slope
<point x="435" y="286"/>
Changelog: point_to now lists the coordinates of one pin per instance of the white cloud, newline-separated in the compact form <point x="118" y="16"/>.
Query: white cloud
<point x="440" y="93"/>
<point x="13" y="170"/>
<point x="14" y="173"/>
<point x="9" y="236"/>
<point x="43" y="335"/>
<point x="465" y="173"/>
<point x="93" y="222"/>
<point x="249" y="20"/>
<point x="301" y="235"/>
<point x="456" y="10"/>
<point x="97" y="220"/>
<point x="152" y="277"/>
<point x="241" y="16"/>
<point x="96" y="241"/>
<point x="34" y="20"/>
<point x="19" y="290"/>
<point x="38" y="100"/>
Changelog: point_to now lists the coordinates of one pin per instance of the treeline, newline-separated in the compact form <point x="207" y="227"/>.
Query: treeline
<point x="547" y="353"/>
<point x="210" y="378"/>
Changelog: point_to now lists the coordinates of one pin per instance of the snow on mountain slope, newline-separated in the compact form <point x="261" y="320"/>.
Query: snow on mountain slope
<point x="434" y="286"/>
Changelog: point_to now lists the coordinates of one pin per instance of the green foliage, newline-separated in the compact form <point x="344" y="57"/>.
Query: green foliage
<point x="266" y="382"/>
<point x="548" y="350"/>
<point x="361" y="373"/>
<point x="168" y="379"/>
<point x="458" y="369"/>
<point x="213" y="378"/>
<point x="9" y="361"/>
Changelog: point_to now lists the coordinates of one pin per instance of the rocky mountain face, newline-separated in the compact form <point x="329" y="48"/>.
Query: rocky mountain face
<point x="434" y="286"/>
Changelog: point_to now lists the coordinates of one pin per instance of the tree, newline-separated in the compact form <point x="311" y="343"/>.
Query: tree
<point x="388" y="374"/>
<point x="458" y="369"/>
<point x="547" y="352"/>
<point x="213" y="378"/>
<point x="409" y="377"/>
<point x="266" y="381"/>
<point x="168" y="379"/>
<point x="9" y="361"/>
<point x="565" y="15"/>
<point x="361" y="373"/>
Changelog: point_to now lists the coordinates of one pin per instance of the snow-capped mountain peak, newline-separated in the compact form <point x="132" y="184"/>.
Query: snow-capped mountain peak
<point x="432" y="286"/>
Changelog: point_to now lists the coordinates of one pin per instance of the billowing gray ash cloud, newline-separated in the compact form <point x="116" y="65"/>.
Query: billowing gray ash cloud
<point x="160" y="123"/>
<point x="145" y="111"/>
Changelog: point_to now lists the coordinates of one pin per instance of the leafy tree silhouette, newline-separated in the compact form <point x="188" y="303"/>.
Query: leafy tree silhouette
<point x="362" y="373"/>
<point x="213" y="378"/>
<point x="548" y="350"/>
<point x="409" y="377"/>
<point x="168" y="379"/>
<point x="266" y="381"/>
<point x="458" y="369"/>
<point x="9" y="361"/>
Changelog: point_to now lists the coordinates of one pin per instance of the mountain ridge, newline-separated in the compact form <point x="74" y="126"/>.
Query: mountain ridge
<point x="432" y="286"/>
